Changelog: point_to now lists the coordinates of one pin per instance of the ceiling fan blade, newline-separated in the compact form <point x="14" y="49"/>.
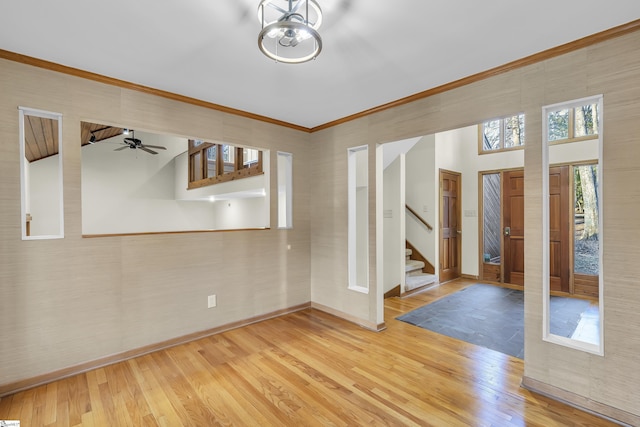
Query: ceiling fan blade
<point x="155" y="146"/>
<point x="121" y="148"/>
<point x="144" y="148"/>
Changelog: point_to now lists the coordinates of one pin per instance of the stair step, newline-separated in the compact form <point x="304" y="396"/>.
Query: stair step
<point x="419" y="280"/>
<point x="408" y="252"/>
<point x="412" y="265"/>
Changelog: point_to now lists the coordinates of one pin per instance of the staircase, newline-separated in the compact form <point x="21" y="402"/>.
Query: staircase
<point x="414" y="277"/>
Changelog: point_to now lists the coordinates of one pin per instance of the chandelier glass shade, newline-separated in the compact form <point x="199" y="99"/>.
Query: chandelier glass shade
<point x="290" y="30"/>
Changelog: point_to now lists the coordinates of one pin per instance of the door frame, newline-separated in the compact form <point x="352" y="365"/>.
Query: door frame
<point x="593" y="280"/>
<point x="458" y="271"/>
<point x="481" y="221"/>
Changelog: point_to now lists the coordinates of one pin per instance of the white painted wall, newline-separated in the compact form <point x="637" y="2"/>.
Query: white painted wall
<point x="392" y="150"/>
<point x="43" y="195"/>
<point x="573" y="152"/>
<point x="233" y="214"/>
<point x="284" y="172"/>
<point x="393" y="229"/>
<point x="358" y="217"/>
<point x="422" y="196"/>
<point x="27" y="184"/>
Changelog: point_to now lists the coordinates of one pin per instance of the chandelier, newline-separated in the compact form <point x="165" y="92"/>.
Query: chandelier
<point x="290" y="30"/>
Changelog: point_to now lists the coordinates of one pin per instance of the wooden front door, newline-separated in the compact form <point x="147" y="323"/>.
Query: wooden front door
<point x="559" y="228"/>
<point x="513" y="221"/>
<point x="450" y="232"/>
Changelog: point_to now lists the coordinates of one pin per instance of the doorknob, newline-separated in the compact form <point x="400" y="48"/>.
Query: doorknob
<point x="507" y="231"/>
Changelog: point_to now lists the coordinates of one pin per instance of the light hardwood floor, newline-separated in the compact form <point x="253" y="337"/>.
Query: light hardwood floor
<point x="307" y="368"/>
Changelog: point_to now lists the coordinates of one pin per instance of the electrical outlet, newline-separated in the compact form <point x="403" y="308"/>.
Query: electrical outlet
<point x="212" y="301"/>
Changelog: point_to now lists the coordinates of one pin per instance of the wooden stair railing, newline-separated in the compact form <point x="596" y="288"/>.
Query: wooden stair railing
<point x="422" y="220"/>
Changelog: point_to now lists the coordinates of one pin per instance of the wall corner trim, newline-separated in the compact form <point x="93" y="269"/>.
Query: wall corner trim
<point x="349" y="318"/>
<point x="602" y="410"/>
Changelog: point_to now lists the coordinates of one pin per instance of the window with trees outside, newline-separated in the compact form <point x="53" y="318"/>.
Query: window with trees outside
<point x="586" y="221"/>
<point x="211" y="163"/>
<point x="573" y="124"/>
<point x="501" y="134"/>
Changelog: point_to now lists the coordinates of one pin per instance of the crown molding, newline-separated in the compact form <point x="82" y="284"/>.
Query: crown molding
<point x="593" y="39"/>
<point x="47" y="65"/>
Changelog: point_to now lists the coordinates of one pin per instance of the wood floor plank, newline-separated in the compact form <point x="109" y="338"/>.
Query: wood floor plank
<point x="156" y="392"/>
<point x="97" y="410"/>
<point x="79" y="401"/>
<point x="198" y="413"/>
<point x="50" y="405"/>
<point x="322" y="410"/>
<point x="62" y="407"/>
<point x="5" y="405"/>
<point x="196" y="374"/>
<point x="306" y="368"/>
<point x="250" y="398"/>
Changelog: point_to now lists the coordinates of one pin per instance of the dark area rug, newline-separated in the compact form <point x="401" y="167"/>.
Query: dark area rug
<point x="492" y="317"/>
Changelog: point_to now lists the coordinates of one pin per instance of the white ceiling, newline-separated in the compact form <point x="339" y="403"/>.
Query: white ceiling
<point x="373" y="52"/>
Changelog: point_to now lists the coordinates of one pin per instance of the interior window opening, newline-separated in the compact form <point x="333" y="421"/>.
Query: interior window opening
<point x="139" y="182"/>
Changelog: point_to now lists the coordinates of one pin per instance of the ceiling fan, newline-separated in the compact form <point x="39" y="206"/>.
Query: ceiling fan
<point x="134" y="143"/>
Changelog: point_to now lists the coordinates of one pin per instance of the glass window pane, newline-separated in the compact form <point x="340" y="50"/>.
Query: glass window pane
<point x="491" y="135"/>
<point x="211" y="161"/>
<point x="249" y="156"/>
<point x="228" y="158"/>
<point x="586" y="120"/>
<point x="514" y="131"/>
<point x="558" y="125"/>
<point x="586" y="241"/>
<point x="492" y="235"/>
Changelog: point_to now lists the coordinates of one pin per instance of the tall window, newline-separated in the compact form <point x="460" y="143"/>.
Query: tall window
<point x="503" y="133"/>
<point x="572" y="236"/>
<point x="285" y="190"/>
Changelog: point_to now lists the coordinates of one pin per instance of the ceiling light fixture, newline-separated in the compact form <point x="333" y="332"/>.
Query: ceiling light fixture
<point x="290" y="30"/>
